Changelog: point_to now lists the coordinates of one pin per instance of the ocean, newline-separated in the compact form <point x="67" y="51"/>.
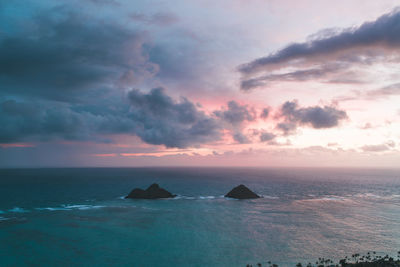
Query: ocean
<point x="78" y="216"/>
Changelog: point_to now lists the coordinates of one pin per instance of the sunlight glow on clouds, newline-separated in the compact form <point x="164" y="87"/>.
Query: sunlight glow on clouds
<point x="146" y="84"/>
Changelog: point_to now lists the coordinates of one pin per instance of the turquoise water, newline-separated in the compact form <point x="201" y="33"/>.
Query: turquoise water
<point x="76" y="217"/>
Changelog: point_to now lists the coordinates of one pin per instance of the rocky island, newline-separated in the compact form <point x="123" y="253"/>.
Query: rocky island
<point x="242" y="192"/>
<point x="154" y="191"/>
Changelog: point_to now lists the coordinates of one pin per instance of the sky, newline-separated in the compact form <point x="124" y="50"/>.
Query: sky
<point x="267" y="83"/>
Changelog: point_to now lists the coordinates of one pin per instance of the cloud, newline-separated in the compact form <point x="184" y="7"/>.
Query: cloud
<point x="390" y="90"/>
<point x="266" y="136"/>
<point x="329" y="55"/>
<point x="316" y="117"/>
<point x="379" y="148"/>
<point x="322" y="72"/>
<point x="383" y="92"/>
<point x="158" y="19"/>
<point x="64" y="52"/>
<point x="105" y="2"/>
<point x="265" y="113"/>
<point x="241" y="138"/>
<point x="236" y="114"/>
<point x="287" y="127"/>
<point x="161" y="120"/>
<point x="155" y="117"/>
<point x="28" y="121"/>
<point x="234" y="118"/>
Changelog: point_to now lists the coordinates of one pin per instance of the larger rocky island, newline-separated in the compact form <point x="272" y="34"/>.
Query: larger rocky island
<point x="242" y="192"/>
<point x="154" y="191"/>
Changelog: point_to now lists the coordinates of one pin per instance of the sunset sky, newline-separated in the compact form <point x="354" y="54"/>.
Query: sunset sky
<point x="205" y="83"/>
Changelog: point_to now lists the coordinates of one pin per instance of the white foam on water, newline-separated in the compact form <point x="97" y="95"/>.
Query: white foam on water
<point x="82" y="207"/>
<point x="67" y="207"/>
<point x="18" y="210"/>
<point x="183" y="197"/>
<point x="206" y="197"/>
<point x="51" y="209"/>
<point x="269" y="197"/>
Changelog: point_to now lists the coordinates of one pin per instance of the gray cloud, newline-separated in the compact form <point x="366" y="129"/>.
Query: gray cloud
<point x="63" y="52"/>
<point x="161" y="120"/>
<point x="384" y="92"/>
<point x="379" y="148"/>
<point x="234" y="117"/>
<point x="155" y="117"/>
<point x="287" y="127"/>
<point x="236" y="114"/>
<point x="321" y="72"/>
<point x="159" y="19"/>
<point x="382" y="32"/>
<point x="266" y="136"/>
<point x="241" y="138"/>
<point x="44" y="121"/>
<point x="393" y="89"/>
<point x="329" y="55"/>
<point x="265" y="113"/>
<point x="317" y="117"/>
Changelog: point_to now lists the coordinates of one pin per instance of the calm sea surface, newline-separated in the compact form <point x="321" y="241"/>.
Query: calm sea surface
<point x="76" y="217"/>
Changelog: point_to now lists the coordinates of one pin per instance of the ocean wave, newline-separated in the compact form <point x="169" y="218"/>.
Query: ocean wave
<point x="207" y="197"/>
<point x="18" y="210"/>
<point x="199" y="197"/>
<point x="183" y="197"/>
<point x="67" y="207"/>
<point x="51" y="209"/>
<point x="83" y="207"/>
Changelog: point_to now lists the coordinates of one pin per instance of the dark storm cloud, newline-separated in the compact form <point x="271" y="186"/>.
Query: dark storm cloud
<point x="27" y="121"/>
<point x="161" y="120"/>
<point x="155" y="117"/>
<point x="317" y="117"/>
<point x="62" y="52"/>
<point x="381" y="33"/>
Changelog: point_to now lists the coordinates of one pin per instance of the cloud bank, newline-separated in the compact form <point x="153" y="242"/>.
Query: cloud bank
<point x="316" y="117"/>
<point x="329" y="55"/>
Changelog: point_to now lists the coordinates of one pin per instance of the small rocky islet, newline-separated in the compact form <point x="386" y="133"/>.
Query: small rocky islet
<point x="242" y="192"/>
<point x="154" y="191"/>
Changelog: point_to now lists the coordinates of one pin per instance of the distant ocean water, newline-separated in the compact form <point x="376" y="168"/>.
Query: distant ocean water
<point x="78" y="217"/>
